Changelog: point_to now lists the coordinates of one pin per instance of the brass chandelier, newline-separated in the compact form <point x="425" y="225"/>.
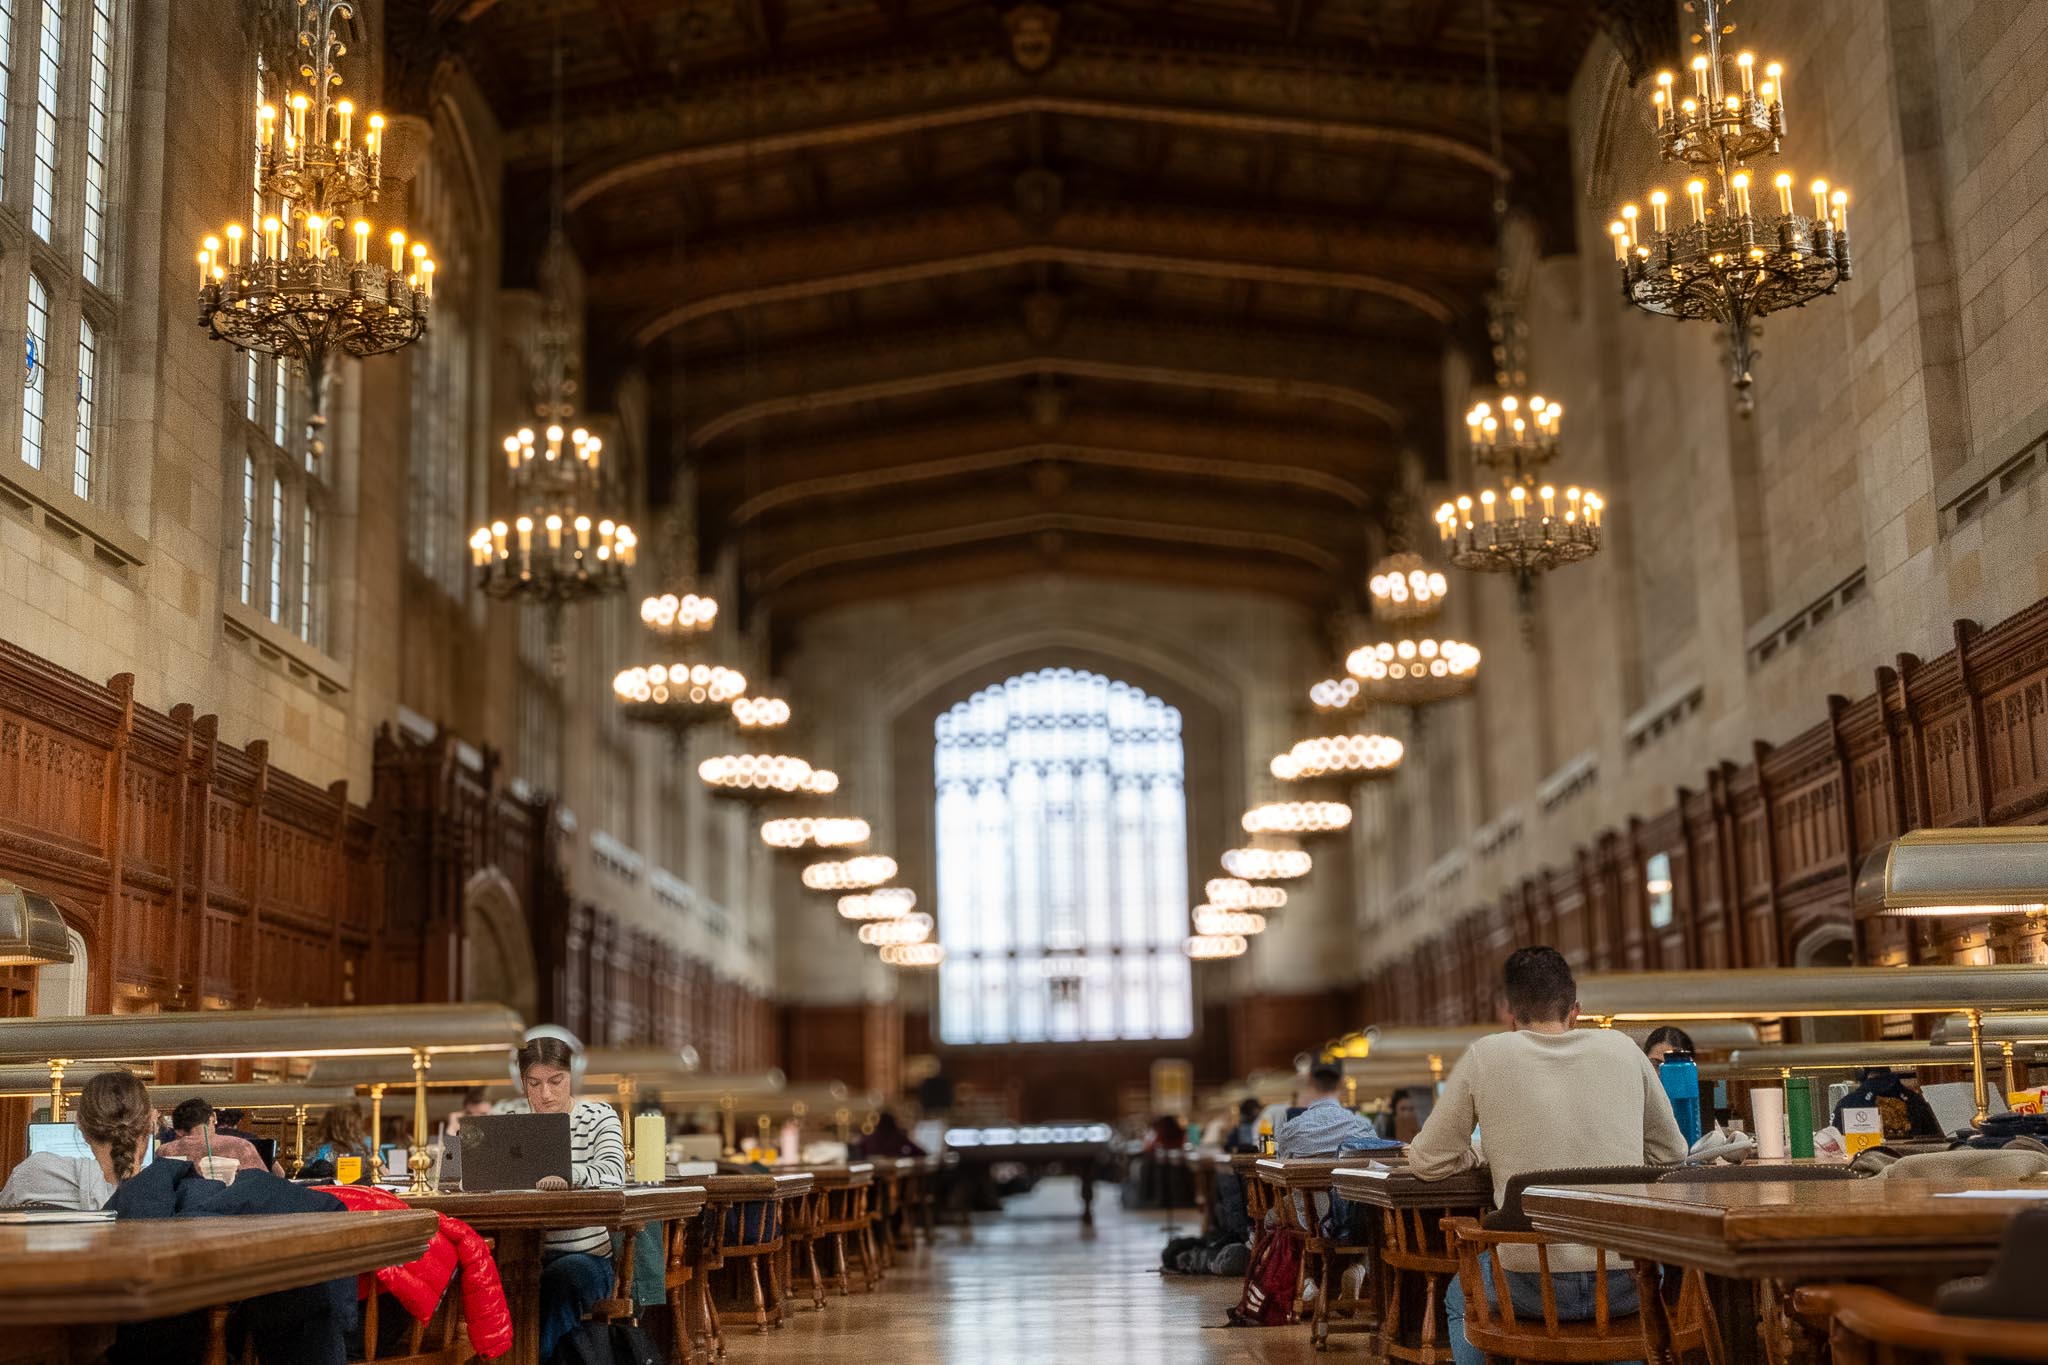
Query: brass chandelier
<point x="1235" y="893"/>
<point x="765" y="777"/>
<point x="863" y="873"/>
<point x="1339" y="758"/>
<point x="562" y="543"/>
<point x="1524" y="524"/>
<point x="1415" y="666"/>
<point x="829" y="831"/>
<point x="884" y="902"/>
<point x="912" y="955"/>
<point x="1259" y="863"/>
<point x="1214" y="947"/>
<point x="1297" y="817"/>
<point x="1726" y="256"/>
<point x="1212" y="921"/>
<point x="682" y="688"/>
<point x="301" y="280"/>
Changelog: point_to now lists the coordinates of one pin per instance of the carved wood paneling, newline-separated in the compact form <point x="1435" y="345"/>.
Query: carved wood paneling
<point x="1764" y="855"/>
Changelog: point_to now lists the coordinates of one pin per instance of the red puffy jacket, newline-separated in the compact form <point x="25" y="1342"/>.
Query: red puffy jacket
<point x="418" y="1285"/>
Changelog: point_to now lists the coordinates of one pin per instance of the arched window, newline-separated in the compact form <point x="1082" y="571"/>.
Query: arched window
<point x="1062" y="863"/>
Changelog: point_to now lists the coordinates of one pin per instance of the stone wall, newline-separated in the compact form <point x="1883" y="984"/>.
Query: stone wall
<point x="1757" y="565"/>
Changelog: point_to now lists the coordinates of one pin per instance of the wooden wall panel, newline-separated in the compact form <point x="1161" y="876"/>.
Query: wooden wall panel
<point x="1764" y="854"/>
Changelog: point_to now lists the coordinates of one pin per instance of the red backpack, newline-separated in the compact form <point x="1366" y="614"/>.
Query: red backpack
<point x="1269" y="1281"/>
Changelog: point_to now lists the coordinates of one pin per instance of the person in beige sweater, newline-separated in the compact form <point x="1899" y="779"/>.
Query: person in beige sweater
<point x="1547" y="1095"/>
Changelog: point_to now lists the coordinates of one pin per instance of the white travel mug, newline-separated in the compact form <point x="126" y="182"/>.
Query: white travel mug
<point x="1767" y="1108"/>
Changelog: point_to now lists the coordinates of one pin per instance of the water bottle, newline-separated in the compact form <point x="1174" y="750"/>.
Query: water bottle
<point x="1681" y="1078"/>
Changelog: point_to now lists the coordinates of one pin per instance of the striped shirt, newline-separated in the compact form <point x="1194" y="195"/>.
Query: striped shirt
<point x="597" y="1161"/>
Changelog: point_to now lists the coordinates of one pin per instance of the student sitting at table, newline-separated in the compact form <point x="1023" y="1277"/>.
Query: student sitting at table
<point x="114" y="1116"/>
<point x="1544" y="1096"/>
<point x="1665" y="1040"/>
<point x="194" y="1121"/>
<point x="576" y="1263"/>
<point x="343" y="1132"/>
<point x="1324" y="1126"/>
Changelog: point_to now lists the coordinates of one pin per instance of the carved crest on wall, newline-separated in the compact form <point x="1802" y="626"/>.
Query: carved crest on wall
<point x="1034" y="32"/>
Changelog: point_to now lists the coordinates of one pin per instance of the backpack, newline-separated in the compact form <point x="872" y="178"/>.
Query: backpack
<point x="1269" y="1278"/>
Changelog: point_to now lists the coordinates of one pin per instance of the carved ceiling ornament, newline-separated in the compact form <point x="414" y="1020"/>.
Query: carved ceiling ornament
<point x="1034" y="31"/>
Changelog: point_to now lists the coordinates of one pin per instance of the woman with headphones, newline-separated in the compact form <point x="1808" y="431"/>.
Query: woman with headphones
<point x="576" y="1263"/>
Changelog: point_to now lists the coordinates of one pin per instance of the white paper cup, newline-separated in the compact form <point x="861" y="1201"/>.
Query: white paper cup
<point x="1767" y="1106"/>
<point x="221" y="1168"/>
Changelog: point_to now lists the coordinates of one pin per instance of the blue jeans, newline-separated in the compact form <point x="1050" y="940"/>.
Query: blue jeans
<point x="569" y="1285"/>
<point x="1573" y="1288"/>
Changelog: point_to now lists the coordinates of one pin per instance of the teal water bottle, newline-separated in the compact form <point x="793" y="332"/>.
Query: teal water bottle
<point x="1681" y="1078"/>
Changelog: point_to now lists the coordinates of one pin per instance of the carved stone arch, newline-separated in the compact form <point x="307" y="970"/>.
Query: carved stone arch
<point x="497" y="945"/>
<point x="1832" y="944"/>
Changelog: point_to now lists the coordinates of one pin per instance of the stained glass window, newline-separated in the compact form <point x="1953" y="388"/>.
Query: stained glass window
<point x="1062" y="857"/>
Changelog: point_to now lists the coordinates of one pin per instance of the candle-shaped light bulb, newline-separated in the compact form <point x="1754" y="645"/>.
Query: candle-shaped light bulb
<point x="512" y="452"/>
<point x="583" y="533"/>
<point x="1509" y="403"/>
<point x="1777" y="81"/>
<point x="299" y="106"/>
<point x="373" y="141"/>
<point x="1699" y="75"/>
<point x="316" y="226"/>
<point x="272" y="232"/>
<point x="1620" y="233"/>
<point x="266" y="123"/>
<point x="362" y="231"/>
<point x="397" y="240"/>
<point x="1739" y="182"/>
<point x="1784" y="184"/>
<point x="1660" y="102"/>
<point x="1820" y="201"/>
<point x="1658" y="201"/>
<point x="1549" y="496"/>
<point x="234" y="243"/>
<point x="1734" y="104"/>
<point x="1628" y="216"/>
<point x="1696" y="190"/>
<point x="1688" y="106"/>
<point x="554" y="531"/>
<point x="347" y="112"/>
<point x="1840" y="200"/>
<point x="427" y="277"/>
<point x="1745" y="67"/>
<point x="1486" y="501"/>
<point x="205" y="267"/>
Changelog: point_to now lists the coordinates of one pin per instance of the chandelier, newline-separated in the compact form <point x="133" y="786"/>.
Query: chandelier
<point x="1213" y="921"/>
<point x="1403" y="589"/>
<point x="1214" y="947"/>
<point x="885" y="902"/>
<point x="912" y="955"/>
<point x="676" y="695"/>
<point x="1522" y="525"/>
<point x="762" y="777"/>
<point x="1268" y="864"/>
<point x="301" y="281"/>
<point x="852" y="874"/>
<point x="821" y="832"/>
<point x="1417" y="666"/>
<point x="1297" y="817"/>
<point x="678" y="617"/>
<point x="1235" y="893"/>
<point x="1345" y="757"/>
<point x="760" y="713"/>
<point x="915" y="927"/>
<point x="1727" y="257"/>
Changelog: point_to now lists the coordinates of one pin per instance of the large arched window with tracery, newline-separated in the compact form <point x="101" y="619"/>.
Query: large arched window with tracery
<point x="1062" y="856"/>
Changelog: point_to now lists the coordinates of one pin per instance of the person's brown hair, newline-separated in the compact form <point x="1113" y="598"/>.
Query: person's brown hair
<point x="113" y="1108"/>
<point x="546" y="1051"/>
<point x="343" y="1126"/>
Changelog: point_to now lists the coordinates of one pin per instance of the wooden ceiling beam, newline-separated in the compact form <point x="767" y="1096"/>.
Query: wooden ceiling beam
<point x="1328" y="134"/>
<point x="1274" y="478"/>
<point x="1235" y="542"/>
<point x="1284" y="365"/>
<point x="1430" y="275"/>
<point x="1350" y="458"/>
<point x="1325" y="96"/>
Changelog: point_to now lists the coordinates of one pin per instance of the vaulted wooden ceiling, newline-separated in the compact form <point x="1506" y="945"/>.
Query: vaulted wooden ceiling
<point x="942" y="290"/>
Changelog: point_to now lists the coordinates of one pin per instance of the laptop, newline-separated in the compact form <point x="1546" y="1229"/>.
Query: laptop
<point x="513" y="1151"/>
<point x="66" y="1140"/>
<point x="266" y="1149"/>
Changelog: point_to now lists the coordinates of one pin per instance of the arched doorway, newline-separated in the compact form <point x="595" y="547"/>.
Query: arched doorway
<point x="1830" y="945"/>
<point x="497" y="949"/>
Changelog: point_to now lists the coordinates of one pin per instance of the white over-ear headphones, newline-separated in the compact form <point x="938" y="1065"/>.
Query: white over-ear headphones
<point x="577" y="1060"/>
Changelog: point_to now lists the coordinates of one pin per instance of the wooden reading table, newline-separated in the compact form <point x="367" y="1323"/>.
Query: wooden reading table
<point x="77" y="1278"/>
<point x="1415" y="1259"/>
<point x="1773" y="1235"/>
<point x="517" y="1221"/>
<point x="1083" y="1159"/>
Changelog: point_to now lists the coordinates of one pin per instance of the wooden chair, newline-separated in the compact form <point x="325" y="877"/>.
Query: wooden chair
<point x="1413" y="1248"/>
<point x="840" y="1211"/>
<point x="439" y="1340"/>
<point x="1324" y="1260"/>
<point x="1496" y="1327"/>
<point x="1871" y="1326"/>
<point x="718" y="1248"/>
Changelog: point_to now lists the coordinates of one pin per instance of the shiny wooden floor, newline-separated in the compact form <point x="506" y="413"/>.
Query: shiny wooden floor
<point x="1033" y="1288"/>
